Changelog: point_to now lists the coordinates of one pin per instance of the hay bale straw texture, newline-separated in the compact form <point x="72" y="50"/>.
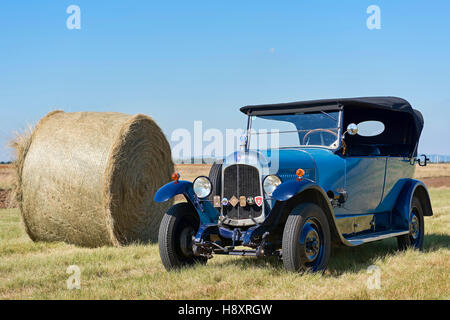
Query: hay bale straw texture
<point x="88" y="178"/>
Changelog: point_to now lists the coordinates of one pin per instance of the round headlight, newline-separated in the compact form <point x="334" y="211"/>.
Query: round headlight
<point x="271" y="183"/>
<point x="202" y="187"/>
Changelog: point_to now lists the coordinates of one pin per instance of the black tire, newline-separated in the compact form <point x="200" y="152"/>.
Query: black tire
<point x="416" y="234"/>
<point x="177" y="228"/>
<point x="215" y="176"/>
<point x="307" y="223"/>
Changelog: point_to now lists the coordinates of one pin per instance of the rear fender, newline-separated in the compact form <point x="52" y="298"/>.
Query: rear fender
<point x="402" y="210"/>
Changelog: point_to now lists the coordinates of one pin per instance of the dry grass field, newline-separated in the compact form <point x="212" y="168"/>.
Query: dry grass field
<point x="6" y="177"/>
<point x="191" y="171"/>
<point x="433" y="171"/>
<point x="38" y="270"/>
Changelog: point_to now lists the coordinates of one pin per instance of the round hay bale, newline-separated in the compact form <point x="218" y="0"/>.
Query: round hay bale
<point x="88" y="178"/>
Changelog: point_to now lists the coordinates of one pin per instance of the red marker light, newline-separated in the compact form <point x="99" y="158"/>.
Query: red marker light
<point x="300" y="173"/>
<point x="176" y="177"/>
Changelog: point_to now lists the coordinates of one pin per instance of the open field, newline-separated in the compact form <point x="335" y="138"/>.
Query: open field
<point x="434" y="175"/>
<point x="439" y="170"/>
<point x="7" y="176"/>
<point x="191" y="171"/>
<point x="433" y="171"/>
<point x="38" y="270"/>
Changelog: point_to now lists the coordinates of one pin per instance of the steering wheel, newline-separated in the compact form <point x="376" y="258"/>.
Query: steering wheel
<point x="317" y="130"/>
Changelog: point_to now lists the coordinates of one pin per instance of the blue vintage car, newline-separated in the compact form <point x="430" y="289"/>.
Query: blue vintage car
<point x="309" y="174"/>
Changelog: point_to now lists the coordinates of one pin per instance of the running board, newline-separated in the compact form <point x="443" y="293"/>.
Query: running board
<point x="362" y="239"/>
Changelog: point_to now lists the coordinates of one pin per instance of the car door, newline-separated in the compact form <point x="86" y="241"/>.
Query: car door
<point x="397" y="170"/>
<point x="364" y="183"/>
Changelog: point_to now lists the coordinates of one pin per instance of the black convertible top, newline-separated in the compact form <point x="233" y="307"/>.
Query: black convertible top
<point x="374" y="103"/>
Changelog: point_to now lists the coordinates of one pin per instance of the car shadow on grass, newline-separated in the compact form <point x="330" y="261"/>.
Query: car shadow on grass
<point x="345" y="259"/>
<point x="434" y="242"/>
<point x="356" y="259"/>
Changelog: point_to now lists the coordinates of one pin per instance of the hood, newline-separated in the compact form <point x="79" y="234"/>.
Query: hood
<point x="283" y="163"/>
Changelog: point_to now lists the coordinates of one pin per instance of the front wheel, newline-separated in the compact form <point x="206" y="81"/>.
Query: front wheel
<point x="416" y="228"/>
<point x="306" y="239"/>
<point x="176" y="233"/>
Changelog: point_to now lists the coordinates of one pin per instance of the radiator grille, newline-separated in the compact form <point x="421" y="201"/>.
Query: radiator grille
<point x="241" y="180"/>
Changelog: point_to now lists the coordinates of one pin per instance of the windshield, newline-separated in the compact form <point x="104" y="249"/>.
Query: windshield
<point x="319" y="129"/>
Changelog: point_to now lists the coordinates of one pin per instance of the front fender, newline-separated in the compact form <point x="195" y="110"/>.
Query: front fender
<point x="287" y="190"/>
<point x="172" y="189"/>
<point x="402" y="209"/>
<point x="296" y="188"/>
<point x="205" y="210"/>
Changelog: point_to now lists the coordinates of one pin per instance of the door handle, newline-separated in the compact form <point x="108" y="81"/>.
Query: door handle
<point x="422" y="161"/>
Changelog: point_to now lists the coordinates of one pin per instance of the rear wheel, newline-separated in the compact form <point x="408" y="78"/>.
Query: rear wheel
<point x="416" y="228"/>
<point x="176" y="233"/>
<point x="306" y="240"/>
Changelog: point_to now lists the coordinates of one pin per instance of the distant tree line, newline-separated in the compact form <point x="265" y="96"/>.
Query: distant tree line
<point x="195" y="160"/>
<point x="436" y="158"/>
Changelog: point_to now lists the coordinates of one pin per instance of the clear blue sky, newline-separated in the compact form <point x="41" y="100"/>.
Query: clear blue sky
<point x="181" y="61"/>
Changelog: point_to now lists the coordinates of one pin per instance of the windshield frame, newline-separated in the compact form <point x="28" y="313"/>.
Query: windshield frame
<point x="339" y="129"/>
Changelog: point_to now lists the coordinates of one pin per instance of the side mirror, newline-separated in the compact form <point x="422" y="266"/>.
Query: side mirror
<point x="352" y="129"/>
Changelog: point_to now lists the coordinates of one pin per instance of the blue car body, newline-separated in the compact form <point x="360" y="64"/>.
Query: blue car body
<point x="366" y="197"/>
